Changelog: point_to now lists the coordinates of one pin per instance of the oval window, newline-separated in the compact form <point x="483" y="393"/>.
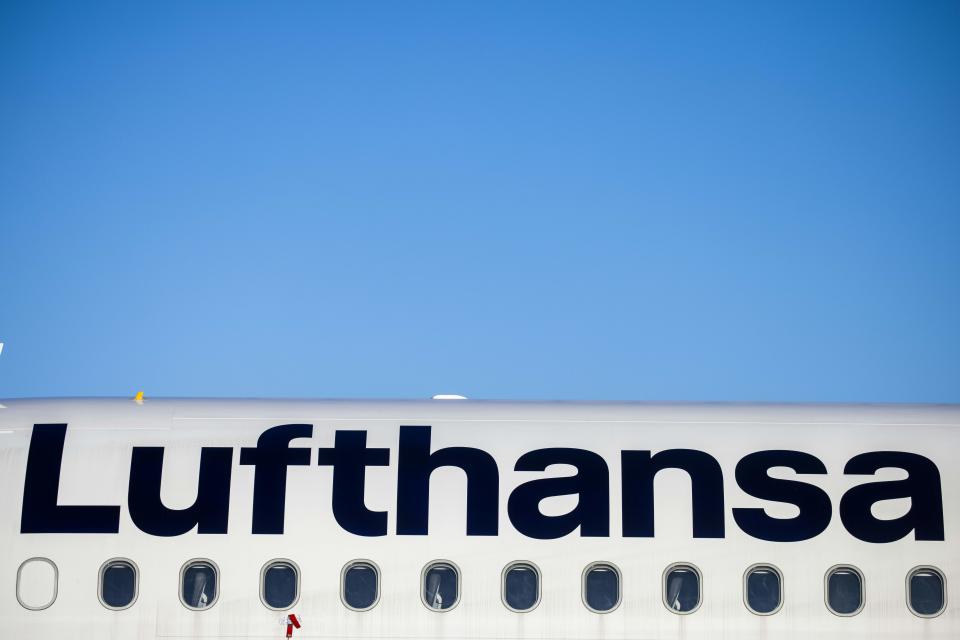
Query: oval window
<point x="926" y="592"/>
<point x="763" y="590"/>
<point x="198" y="584"/>
<point x="681" y="588"/>
<point x="441" y="586"/>
<point x="118" y="584"/>
<point x="844" y="591"/>
<point x="521" y="586"/>
<point x="37" y="583"/>
<point x="279" y="584"/>
<point x="601" y="588"/>
<point x="360" y="587"/>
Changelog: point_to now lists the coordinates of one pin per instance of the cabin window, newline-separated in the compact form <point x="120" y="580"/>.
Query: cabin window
<point x="360" y="585"/>
<point x="199" y="584"/>
<point x="441" y="586"/>
<point x="37" y="583"/>
<point x="521" y="586"/>
<point x="926" y="592"/>
<point x="601" y="587"/>
<point x="118" y="584"/>
<point x="681" y="588"/>
<point x="844" y="591"/>
<point x="763" y="589"/>
<point x="279" y="584"/>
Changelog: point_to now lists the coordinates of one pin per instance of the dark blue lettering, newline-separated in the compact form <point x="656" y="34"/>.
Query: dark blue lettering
<point x="270" y="459"/>
<point x="706" y="485"/>
<point x="350" y="458"/>
<point x="209" y="513"/>
<point x="413" y="483"/>
<point x="922" y="486"/>
<point x="41" y="485"/>
<point x="591" y="483"/>
<point x="813" y="502"/>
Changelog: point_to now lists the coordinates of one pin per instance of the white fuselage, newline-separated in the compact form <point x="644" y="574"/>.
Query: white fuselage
<point x="411" y="514"/>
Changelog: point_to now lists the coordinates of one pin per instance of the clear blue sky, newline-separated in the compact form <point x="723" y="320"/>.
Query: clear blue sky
<point x="635" y="201"/>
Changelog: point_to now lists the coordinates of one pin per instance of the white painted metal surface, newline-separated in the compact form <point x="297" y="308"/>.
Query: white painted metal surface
<point x="96" y="470"/>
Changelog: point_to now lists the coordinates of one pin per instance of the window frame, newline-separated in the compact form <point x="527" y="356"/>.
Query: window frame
<point x="343" y="583"/>
<point x="826" y="589"/>
<point x="56" y="582"/>
<point x="746" y="578"/>
<point x="606" y="564"/>
<point x="136" y="582"/>
<point x="943" y="581"/>
<point x="423" y="584"/>
<point x="503" y="584"/>
<point x="663" y="586"/>
<point x="263" y="582"/>
<point x="183" y="571"/>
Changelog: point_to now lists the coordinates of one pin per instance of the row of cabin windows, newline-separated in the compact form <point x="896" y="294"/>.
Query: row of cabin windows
<point x="440" y="587"/>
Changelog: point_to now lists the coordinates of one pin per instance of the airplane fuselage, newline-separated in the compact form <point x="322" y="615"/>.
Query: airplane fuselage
<point x="476" y="519"/>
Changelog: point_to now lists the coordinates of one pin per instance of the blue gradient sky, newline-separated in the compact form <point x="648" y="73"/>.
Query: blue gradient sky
<point x="630" y="201"/>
